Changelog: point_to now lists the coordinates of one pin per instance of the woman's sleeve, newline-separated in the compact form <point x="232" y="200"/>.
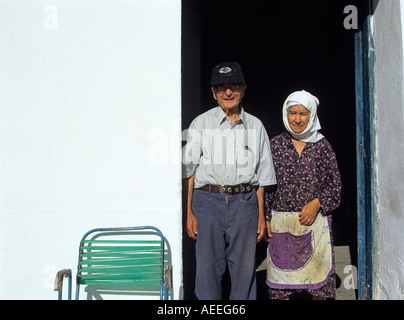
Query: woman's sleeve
<point x="330" y="190"/>
<point x="269" y="196"/>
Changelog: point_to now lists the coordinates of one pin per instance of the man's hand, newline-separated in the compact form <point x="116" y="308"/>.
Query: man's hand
<point x="192" y="230"/>
<point x="269" y="233"/>
<point x="261" y="232"/>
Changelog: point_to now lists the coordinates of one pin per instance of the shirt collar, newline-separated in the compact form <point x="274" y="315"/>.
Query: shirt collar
<point x="221" y="116"/>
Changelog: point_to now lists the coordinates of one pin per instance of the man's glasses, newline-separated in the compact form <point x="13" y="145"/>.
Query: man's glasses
<point x="235" y="87"/>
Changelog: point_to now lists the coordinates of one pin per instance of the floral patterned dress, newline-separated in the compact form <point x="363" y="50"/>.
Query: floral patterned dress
<point x="301" y="179"/>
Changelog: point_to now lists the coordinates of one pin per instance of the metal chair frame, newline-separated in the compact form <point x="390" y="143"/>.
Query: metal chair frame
<point x="119" y="263"/>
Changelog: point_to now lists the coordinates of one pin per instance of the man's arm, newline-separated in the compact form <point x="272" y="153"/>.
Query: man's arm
<point x="191" y="220"/>
<point x="261" y="217"/>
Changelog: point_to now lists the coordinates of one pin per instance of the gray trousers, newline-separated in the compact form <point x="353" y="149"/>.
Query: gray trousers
<point x="227" y="233"/>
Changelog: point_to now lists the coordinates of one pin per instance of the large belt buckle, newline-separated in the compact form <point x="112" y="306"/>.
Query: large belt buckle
<point x="223" y="190"/>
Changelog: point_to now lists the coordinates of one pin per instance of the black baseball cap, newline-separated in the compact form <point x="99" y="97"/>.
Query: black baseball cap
<point x="227" y="72"/>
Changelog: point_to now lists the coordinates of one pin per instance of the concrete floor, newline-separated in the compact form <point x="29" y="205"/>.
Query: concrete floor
<point x="346" y="279"/>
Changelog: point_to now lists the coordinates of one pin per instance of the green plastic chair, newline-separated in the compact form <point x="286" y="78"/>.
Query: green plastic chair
<point x="121" y="262"/>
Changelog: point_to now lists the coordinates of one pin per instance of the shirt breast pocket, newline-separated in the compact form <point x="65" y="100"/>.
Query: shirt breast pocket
<point x="245" y="161"/>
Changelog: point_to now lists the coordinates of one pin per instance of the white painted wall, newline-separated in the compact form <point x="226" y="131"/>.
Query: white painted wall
<point x="89" y="91"/>
<point x="388" y="32"/>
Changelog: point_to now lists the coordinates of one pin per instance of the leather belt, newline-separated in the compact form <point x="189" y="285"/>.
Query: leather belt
<point x="228" y="190"/>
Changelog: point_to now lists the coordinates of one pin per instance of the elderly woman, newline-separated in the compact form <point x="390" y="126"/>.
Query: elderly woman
<point x="300" y="252"/>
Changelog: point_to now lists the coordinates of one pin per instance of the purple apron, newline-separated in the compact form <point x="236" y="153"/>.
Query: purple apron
<point x="298" y="257"/>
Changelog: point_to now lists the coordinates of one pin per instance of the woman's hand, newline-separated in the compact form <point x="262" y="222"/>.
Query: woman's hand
<point x="309" y="212"/>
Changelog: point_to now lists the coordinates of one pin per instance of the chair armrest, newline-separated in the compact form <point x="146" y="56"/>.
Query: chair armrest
<point x="168" y="276"/>
<point x="65" y="273"/>
<point x="58" y="286"/>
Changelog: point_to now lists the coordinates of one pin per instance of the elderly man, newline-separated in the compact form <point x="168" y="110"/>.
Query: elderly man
<point x="227" y="163"/>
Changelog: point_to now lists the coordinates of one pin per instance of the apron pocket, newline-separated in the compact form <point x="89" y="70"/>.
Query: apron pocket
<point x="288" y="251"/>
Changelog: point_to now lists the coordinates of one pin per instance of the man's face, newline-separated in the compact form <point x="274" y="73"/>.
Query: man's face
<point x="228" y="95"/>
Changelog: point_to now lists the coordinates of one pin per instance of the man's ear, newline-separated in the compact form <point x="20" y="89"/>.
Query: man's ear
<point x="214" y="93"/>
<point x="242" y="93"/>
<point x="243" y="89"/>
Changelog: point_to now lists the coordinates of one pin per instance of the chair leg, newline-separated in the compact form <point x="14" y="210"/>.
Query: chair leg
<point x="77" y="291"/>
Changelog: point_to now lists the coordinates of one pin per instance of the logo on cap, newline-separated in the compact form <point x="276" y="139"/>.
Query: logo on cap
<point x="225" y="70"/>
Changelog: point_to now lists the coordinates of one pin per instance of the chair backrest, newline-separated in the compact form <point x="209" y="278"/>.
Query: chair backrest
<point x="137" y="261"/>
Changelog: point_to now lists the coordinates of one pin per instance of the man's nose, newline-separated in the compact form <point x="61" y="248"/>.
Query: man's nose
<point x="228" y="92"/>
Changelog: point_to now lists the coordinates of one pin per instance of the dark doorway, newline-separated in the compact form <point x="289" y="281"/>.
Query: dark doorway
<point x="282" y="46"/>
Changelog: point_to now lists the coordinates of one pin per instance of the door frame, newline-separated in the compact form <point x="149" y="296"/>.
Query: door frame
<point x="366" y="156"/>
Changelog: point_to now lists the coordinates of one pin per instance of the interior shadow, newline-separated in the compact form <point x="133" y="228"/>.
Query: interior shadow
<point x="282" y="46"/>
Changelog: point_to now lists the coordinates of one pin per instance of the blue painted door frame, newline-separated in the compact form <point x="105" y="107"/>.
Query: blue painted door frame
<point x="365" y="155"/>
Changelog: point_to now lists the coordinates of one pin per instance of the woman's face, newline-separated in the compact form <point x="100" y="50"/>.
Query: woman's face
<point x="298" y="118"/>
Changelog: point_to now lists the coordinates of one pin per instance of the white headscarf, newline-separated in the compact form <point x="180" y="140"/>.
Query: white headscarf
<point x="310" y="102"/>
